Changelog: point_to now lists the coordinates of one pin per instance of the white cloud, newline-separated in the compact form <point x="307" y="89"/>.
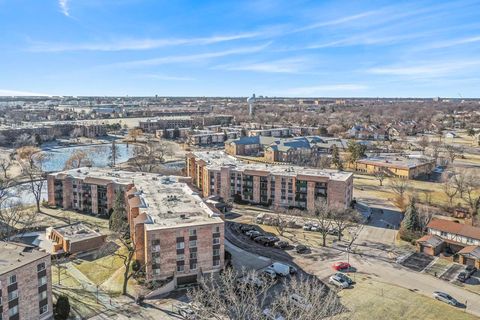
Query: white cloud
<point x="427" y="69"/>
<point x="190" y="58"/>
<point x="453" y="43"/>
<point x="165" y="77"/>
<point x="341" y="89"/>
<point x="295" y="65"/>
<point x="139" y="44"/>
<point x="64" y="7"/>
<point x="9" y="93"/>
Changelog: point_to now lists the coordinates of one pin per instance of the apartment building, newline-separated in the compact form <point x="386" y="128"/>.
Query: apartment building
<point x="25" y="283"/>
<point x="160" y="123"/>
<point x="216" y="173"/>
<point x="78" y="190"/>
<point x="176" y="235"/>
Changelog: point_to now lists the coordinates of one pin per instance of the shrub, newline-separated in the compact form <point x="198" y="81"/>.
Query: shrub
<point x="62" y="308"/>
<point x="136" y="265"/>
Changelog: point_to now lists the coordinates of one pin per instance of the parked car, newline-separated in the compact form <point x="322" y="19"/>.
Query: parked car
<point x="307" y="227"/>
<point x="281" y="244"/>
<point x="250" y="280"/>
<point x="269" y="274"/>
<point x="463" y="276"/>
<point x="299" y="302"/>
<point x="333" y="232"/>
<point x="445" y="297"/>
<point x="470" y="270"/>
<point x="302" y="249"/>
<point x="253" y="234"/>
<point x="344" y="277"/>
<point x="338" y="282"/>
<point x="186" y="312"/>
<point x="271" y="315"/>
<point x="283" y="269"/>
<point x="246" y="228"/>
<point x="342" y="266"/>
<point x="261" y="239"/>
<point x="272" y="240"/>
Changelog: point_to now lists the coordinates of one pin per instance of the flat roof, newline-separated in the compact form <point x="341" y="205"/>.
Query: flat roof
<point x="77" y="232"/>
<point x="406" y="162"/>
<point x="217" y="159"/>
<point x="166" y="201"/>
<point x="14" y="255"/>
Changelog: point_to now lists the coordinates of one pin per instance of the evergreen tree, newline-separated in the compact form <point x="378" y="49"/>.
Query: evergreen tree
<point x="62" y="308"/>
<point x="337" y="162"/>
<point x="118" y="221"/>
<point x="411" y="220"/>
<point x="165" y="133"/>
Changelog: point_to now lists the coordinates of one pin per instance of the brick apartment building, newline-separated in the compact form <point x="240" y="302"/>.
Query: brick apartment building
<point x="403" y="167"/>
<point x="160" y="123"/>
<point x="175" y="233"/>
<point x="25" y="283"/>
<point x="216" y="173"/>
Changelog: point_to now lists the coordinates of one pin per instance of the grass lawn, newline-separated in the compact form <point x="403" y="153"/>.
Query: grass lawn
<point x="99" y="270"/>
<point x="371" y="299"/>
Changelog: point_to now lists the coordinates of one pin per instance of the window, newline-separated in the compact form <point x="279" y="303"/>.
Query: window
<point x="216" y="229"/>
<point x="156" y="271"/>
<point x="192" y="232"/>
<point x="12" y="295"/>
<point x="193" y="265"/>
<point x="180" y="268"/>
<point x="216" y="240"/>
<point x="216" y="263"/>
<point x="180" y="257"/>
<point x="193" y="255"/>
<point x="156" y="257"/>
<point x="40" y="266"/>
<point x="216" y="252"/>
<point x="13" y="311"/>
<point x="192" y="244"/>
<point x="12" y="279"/>
<point x="42" y="281"/>
<point x="180" y="245"/>
<point x="44" y="309"/>
<point x="42" y="295"/>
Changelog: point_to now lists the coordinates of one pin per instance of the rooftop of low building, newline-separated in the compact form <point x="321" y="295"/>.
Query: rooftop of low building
<point x="14" y="255"/>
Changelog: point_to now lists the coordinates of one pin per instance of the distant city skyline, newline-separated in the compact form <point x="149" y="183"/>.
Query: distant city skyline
<point x="236" y="48"/>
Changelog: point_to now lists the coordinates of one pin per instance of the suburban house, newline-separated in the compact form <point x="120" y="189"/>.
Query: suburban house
<point x="457" y="237"/>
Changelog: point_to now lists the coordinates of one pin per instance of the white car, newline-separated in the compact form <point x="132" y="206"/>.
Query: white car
<point x="269" y="273"/>
<point x="338" y="282"/>
<point x="300" y="302"/>
<point x="445" y="297"/>
<point x="270" y="315"/>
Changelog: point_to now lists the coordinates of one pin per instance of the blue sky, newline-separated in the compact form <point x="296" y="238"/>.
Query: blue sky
<point x="234" y="48"/>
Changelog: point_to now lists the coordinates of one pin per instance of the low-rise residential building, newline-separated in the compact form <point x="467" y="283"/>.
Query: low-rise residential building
<point x="460" y="238"/>
<point x="216" y="173"/>
<point x="74" y="238"/>
<point x="176" y="235"/>
<point x="25" y="283"/>
<point x="405" y="167"/>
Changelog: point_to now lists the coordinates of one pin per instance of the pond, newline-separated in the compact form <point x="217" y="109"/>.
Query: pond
<point x="98" y="155"/>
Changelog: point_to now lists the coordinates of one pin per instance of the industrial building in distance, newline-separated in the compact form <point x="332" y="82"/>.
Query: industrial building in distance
<point x="25" y="283"/>
<point x="216" y="173"/>
<point x="176" y="235"/>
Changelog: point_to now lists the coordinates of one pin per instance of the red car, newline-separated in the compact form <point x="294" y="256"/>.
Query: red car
<point x="341" y="266"/>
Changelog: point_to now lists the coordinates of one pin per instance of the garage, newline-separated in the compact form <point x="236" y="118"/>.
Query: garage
<point x="181" y="281"/>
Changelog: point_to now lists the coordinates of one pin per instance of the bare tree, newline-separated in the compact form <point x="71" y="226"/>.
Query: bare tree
<point x="135" y="133"/>
<point x="342" y="219"/>
<point x="459" y="180"/>
<point x="5" y="165"/>
<point x="400" y="187"/>
<point x="435" y="145"/>
<point x="471" y="192"/>
<point x="450" y="190"/>
<point x="113" y="154"/>
<point x="32" y="162"/>
<point x="381" y="175"/>
<point x="14" y="219"/>
<point x="452" y="152"/>
<point x="78" y="159"/>
<point x="229" y="296"/>
<point x="322" y="216"/>
<point x="423" y="142"/>
<point x="149" y="157"/>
